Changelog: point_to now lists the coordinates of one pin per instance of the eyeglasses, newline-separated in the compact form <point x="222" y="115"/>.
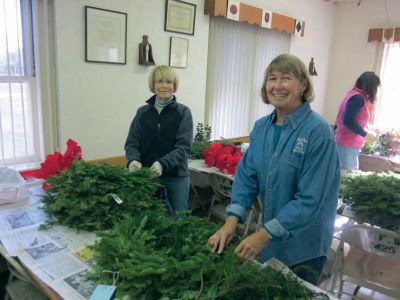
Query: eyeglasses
<point x="164" y="81"/>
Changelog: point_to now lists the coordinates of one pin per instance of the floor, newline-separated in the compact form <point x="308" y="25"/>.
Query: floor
<point x="363" y="293"/>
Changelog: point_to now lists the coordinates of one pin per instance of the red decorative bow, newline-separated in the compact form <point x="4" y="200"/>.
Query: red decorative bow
<point x="56" y="162"/>
<point x="224" y="157"/>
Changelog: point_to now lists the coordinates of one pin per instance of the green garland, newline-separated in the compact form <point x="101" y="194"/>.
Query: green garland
<point x="158" y="257"/>
<point x="374" y="198"/>
<point x="81" y="198"/>
<point x="198" y="148"/>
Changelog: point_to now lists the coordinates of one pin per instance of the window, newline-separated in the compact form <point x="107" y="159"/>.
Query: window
<point x="388" y="105"/>
<point x="27" y="95"/>
<point x="18" y="127"/>
<point x="238" y="56"/>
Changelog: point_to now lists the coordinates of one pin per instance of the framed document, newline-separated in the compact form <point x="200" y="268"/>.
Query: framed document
<point x="180" y="16"/>
<point x="105" y="36"/>
<point x="178" y="52"/>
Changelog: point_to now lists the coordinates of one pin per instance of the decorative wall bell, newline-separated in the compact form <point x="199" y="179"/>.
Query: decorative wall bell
<point x="146" y="53"/>
<point x="311" y="68"/>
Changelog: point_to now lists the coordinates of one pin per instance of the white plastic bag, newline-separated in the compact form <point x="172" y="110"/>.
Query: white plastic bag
<point x="12" y="186"/>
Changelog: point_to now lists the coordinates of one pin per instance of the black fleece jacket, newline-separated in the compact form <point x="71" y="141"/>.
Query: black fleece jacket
<point x="166" y="137"/>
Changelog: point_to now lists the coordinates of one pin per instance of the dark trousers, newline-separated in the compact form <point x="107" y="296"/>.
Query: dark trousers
<point x="310" y="270"/>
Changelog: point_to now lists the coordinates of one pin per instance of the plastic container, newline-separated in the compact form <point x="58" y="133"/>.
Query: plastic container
<point x="12" y="186"/>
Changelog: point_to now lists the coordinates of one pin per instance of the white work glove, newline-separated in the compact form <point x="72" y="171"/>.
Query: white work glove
<point x="134" y="166"/>
<point x="156" y="168"/>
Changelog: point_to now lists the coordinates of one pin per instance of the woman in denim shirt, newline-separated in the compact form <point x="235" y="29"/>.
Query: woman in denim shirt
<point x="292" y="164"/>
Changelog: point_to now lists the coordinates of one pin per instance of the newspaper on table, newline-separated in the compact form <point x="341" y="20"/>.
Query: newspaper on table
<point x="57" y="256"/>
<point x="60" y="269"/>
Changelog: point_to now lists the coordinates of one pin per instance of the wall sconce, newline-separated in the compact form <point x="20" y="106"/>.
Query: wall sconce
<point x="311" y="68"/>
<point x="145" y="52"/>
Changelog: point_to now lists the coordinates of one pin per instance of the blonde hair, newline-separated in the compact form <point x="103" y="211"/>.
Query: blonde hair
<point x="288" y="63"/>
<point x="163" y="72"/>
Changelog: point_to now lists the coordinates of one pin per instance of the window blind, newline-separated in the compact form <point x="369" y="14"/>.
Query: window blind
<point x="238" y="55"/>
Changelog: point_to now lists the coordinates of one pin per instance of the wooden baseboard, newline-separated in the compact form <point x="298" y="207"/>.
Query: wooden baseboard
<point x="113" y="161"/>
<point x="243" y="139"/>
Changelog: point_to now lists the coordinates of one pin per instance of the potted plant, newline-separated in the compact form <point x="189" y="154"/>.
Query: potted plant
<point x="377" y="155"/>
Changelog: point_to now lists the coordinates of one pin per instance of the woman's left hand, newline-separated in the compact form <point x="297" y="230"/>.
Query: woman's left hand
<point x="251" y="246"/>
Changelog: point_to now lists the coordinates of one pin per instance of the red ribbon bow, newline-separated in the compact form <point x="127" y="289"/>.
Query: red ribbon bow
<point x="56" y="162"/>
<point x="224" y="157"/>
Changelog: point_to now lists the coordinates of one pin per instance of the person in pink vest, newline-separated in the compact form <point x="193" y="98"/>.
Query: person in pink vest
<point x="352" y="119"/>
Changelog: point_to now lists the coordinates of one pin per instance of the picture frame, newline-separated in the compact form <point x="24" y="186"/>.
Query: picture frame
<point x="180" y="17"/>
<point x="178" y="52"/>
<point x="105" y="35"/>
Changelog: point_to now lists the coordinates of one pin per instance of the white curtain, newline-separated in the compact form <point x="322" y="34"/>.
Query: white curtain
<point x="388" y="104"/>
<point x="238" y="55"/>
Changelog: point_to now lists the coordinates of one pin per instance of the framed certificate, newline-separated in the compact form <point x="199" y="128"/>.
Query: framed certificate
<point x="178" y="54"/>
<point x="180" y="16"/>
<point x="105" y="36"/>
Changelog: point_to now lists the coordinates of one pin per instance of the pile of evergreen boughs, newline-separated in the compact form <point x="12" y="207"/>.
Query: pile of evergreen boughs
<point x="374" y="198"/>
<point x="158" y="257"/>
<point x="80" y="197"/>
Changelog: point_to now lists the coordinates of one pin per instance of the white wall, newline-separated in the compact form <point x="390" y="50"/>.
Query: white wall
<point x="319" y="20"/>
<point x="98" y="101"/>
<point x="351" y="53"/>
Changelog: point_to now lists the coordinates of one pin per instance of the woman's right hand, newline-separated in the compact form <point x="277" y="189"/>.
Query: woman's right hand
<point x="134" y="166"/>
<point x="224" y="235"/>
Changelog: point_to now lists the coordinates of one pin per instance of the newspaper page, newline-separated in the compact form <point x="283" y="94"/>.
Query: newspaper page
<point x="23" y="217"/>
<point x="58" y="256"/>
<point x="60" y="269"/>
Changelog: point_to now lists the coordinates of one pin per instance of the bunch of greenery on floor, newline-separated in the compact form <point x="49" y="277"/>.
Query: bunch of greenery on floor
<point x="374" y="198"/>
<point x="96" y="197"/>
<point x="201" y="140"/>
<point x="158" y="257"/>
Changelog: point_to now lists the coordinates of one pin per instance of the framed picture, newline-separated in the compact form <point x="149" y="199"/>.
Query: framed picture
<point x="105" y="36"/>
<point x="178" y="52"/>
<point x="180" y="16"/>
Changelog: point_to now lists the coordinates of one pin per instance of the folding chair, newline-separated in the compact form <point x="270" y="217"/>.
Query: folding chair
<point x="372" y="261"/>
<point x="222" y="187"/>
<point x="255" y="218"/>
<point x="201" y="191"/>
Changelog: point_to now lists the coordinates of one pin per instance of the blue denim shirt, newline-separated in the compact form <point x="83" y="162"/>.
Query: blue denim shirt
<point x="298" y="183"/>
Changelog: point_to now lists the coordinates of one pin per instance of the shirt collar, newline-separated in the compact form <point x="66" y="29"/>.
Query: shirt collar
<point x="151" y="101"/>
<point x="296" y="117"/>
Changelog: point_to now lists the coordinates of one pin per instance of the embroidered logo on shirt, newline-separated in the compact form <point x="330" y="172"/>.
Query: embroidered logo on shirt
<point x="300" y="145"/>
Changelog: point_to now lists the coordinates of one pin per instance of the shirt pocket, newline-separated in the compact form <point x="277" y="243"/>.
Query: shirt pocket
<point x="290" y="170"/>
<point x="293" y="161"/>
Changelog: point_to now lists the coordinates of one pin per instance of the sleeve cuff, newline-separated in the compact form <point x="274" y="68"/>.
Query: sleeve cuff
<point x="276" y="230"/>
<point x="231" y="214"/>
<point x="238" y="211"/>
